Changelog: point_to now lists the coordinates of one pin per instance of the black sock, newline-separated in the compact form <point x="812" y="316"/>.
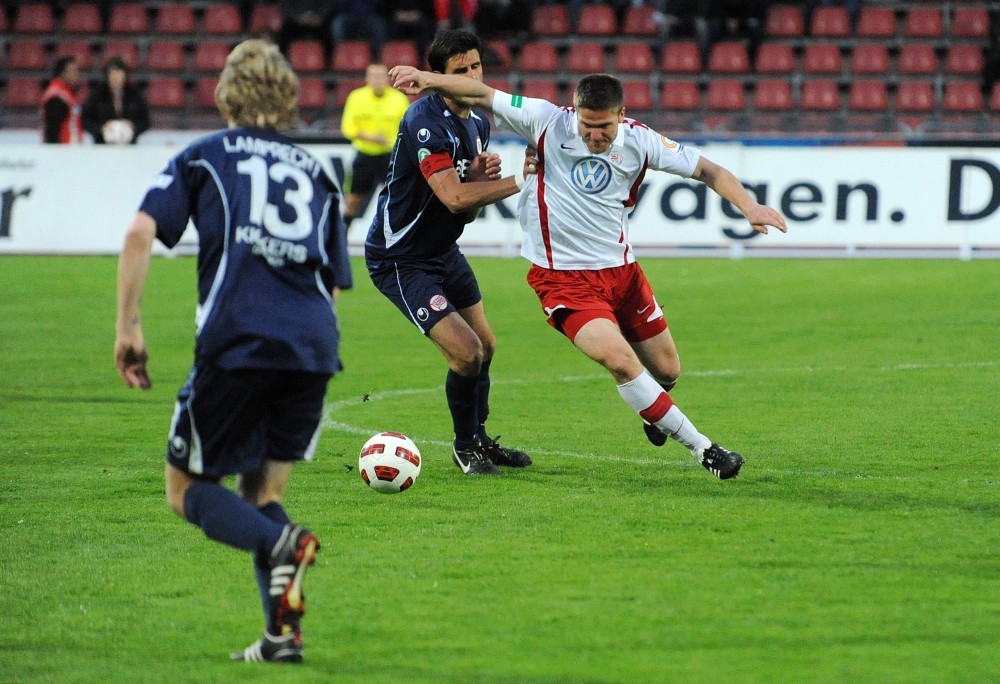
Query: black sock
<point x="462" y="401"/>
<point x="262" y="563"/>
<point x="483" y="400"/>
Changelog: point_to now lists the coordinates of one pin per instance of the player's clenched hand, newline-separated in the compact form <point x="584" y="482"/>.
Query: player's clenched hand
<point x="485" y="167"/>
<point x="761" y="216"/>
<point x="131" y="363"/>
<point x="530" y="160"/>
<point x="408" y="79"/>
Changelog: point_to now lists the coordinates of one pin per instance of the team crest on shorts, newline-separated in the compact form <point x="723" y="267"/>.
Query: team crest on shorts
<point x="439" y="303"/>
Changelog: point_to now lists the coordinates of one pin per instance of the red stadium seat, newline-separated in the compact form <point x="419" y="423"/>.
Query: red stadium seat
<point x="634" y="57"/>
<point x="876" y="22"/>
<point x="917" y="58"/>
<point x="585" y="58"/>
<point x="351" y="55"/>
<point x="4" y="24"/>
<point x="775" y="58"/>
<point x="820" y="96"/>
<point x="726" y="94"/>
<point x="222" y="20"/>
<point x="784" y="21"/>
<point x="80" y="49"/>
<point x="728" y="57"/>
<point x="22" y="92"/>
<point x="682" y="57"/>
<point x="125" y="49"/>
<point x="165" y="55"/>
<point x="970" y="22"/>
<point x="995" y="98"/>
<point x="166" y="92"/>
<point x="962" y="97"/>
<point x="638" y="96"/>
<point x="639" y="21"/>
<point x="265" y="19"/>
<point x="538" y="57"/>
<point x="204" y="92"/>
<point x="175" y="20"/>
<point x="307" y="55"/>
<point x="502" y="84"/>
<point x="345" y="86"/>
<point x="210" y="56"/>
<point x="549" y="20"/>
<point x="923" y="22"/>
<point x="964" y="59"/>
<point x="82" y="17"/>
<point x="312" y="93"/>
<point x="870" y="58"/>
<point x="868" y="96"/>
<point x="822" y="58"/>
<point x="773" y="95"/>
<point x="129" y="18"/>
<point x="597" y="20"/>
<point x="830" y="22"/>
<point x="34" y="18"/>
<point x="400" y="52"/>
<point x="915" y="96"/>
<point x="542" y="88"/>
<point x="499" y="50"/>
<point x="27" y="55"/>
<point x="680" y="96"/>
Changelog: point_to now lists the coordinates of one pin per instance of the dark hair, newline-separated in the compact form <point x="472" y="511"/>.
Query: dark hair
<point x="449" y="43"/>
<point x="115" y="62"/>
<point x="60" y="68"/>
<point x="599" y="92"/>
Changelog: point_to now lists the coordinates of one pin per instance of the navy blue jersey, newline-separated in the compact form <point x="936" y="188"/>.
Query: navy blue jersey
<point x="271" y="247"/>
<point x="411" y="223"/>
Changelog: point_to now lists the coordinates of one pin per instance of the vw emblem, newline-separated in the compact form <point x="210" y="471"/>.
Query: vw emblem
<point x="591" y="175"/>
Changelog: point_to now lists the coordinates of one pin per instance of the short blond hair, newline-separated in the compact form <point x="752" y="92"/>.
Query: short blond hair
<point x="258" y="87"/>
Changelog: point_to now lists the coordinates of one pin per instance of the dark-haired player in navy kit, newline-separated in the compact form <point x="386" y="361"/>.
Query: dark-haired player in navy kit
<point x="271" y="257"/>
<point x="439" y="178"/>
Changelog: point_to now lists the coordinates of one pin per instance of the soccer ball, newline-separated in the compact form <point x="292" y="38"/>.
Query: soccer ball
<point x="118" y="132"/>
<point x="389" y="462"/>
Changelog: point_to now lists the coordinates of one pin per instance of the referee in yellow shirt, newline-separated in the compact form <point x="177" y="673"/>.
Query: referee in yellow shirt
<point x="371" y="121"/>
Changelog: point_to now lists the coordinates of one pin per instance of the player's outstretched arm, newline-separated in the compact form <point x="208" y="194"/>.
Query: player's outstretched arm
<point x="133" y="266"/>
<point x="462" y="89"/>
<point x="729" y="187"/>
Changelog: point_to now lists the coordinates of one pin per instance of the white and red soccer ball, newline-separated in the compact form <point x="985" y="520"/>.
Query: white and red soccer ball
<point x="389" y="462"/>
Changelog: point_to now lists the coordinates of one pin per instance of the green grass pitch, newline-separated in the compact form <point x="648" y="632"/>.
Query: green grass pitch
<point x="861" y="543"/>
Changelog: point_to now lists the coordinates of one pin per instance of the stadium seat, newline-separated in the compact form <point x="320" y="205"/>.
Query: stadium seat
<point x="34" y="18"/>
<point x="585" y="58"/>
<point x="995" y="98"/>
<point x="165" y="92"/>
<point x="682" y="57"/>
<point x="634" y="57"/>
<point x="538" y="57"/>
<point x="877" y="21"/>
<point x="4" y="23"/>
<point x="125" y="49"/>
<point x="22" y="92"/>
<point x="222" y="19"/>
<point x="79" y="49"/>
<point x="870" y="58"/>
<point x="784" y="21"/>
<point x="773" y="95"/>
<point x="775" y="58"/>
<point x="549" y="20"/>
<point x="917" y="58"/>
<point x="82" y="17"/>
<point x="970" y="22"/>
<point x="820" y="95"/>
<point x="502" y="84"/>
<point x="128" y="18"/>
<point x="962" y="97"/>
<point x="210" y="56"/>
<point x="543" y="88"/>
<point x="680" y="96"/>
<point x="923" y="22"/>
<point x="963" y="59"/>
<point x="204" y="92"/>
<point x="726" y="94"/>
<point x="639" y="21"/>
<point x="165" y="55"/>
<point x="307" y="55"/>
<point x="822" y="58"/>
<point x="728" y="57"/>
<point x="344" y="88"/>
<point x="265" y="19"/>
<point x="400" y="52"/>
<point x="177" y="20"/>
<point x="915" y="96"/>
<point x="868" y="96"/>
<point x="500" y="51"/>
<point x="638" y="96"/>
<point x="312" y="93"/>
<point x="27" y="55"/>
<point x="597" y="20"/>
<point x="830" y="22"/>
<point x="351" y="55"/>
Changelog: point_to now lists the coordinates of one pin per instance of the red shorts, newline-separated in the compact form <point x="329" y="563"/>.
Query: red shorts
<point x="621" y="294"/>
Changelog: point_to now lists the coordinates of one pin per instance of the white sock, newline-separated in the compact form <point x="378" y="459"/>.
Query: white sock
<point x="647" y="398"/>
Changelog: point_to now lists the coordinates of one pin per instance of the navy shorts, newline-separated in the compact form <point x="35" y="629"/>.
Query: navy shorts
<point x="429" y="290"/>
<point x="229" y="421"/>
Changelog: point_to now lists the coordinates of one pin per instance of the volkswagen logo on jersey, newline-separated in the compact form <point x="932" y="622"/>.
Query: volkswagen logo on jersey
<point x="591" y="175"/>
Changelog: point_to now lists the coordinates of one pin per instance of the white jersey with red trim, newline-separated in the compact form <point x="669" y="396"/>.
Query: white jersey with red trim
<point x="574" y="213"/>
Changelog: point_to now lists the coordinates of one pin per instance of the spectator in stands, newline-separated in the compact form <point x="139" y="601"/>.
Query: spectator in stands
<point x="116" y="112"/>
<point x="503" y="17"/>
<point x="685" y="18"/>
<point x="360" y="19"/>
<point x="303" y="20"/>
<point x="61" y="121"/>
<point x="455" y="14"/>
<point x="371" y="121"/>
<point x="738" y="19"/>
<point x="413" y="20"/>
